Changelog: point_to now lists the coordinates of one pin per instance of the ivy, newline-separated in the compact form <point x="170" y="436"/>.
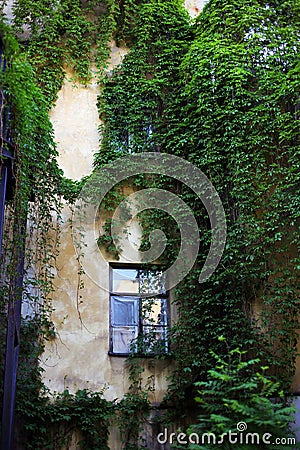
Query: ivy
<point x="52" y="422"/>
<point x="133" y="101"/>
<point x="241" y="128"/>
<point x="237" y="399"/>
<point x="221" y="92"/>
<point x="35" y="172"/>
<point x="32" y="202"/>
<point x="59" y="34"/>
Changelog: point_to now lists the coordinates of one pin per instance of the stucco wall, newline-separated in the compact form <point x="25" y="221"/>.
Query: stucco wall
<point x="79" y="358"/>
<point x="194" y="7"/>
<point x="75" y="121"/>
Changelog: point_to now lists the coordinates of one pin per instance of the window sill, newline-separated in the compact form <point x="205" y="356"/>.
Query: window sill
<point x="122" y="355"/>
<point x="140" y="355"/>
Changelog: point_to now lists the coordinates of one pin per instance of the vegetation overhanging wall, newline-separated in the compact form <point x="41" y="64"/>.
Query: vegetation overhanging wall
<point x="221" y="92"/>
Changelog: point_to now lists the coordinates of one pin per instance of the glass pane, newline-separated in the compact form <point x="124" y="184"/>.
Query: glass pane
<point x="124" y="310"/>
<point x="155" y="339"/>
<point x="125" y="280"/>
<point x="122" y="338"/>
<point x="152" y="282"/>
<point x="154" y="311"/>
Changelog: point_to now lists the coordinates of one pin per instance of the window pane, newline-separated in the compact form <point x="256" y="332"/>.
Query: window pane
<point x="124" y="311"/>
<point x="154" y="311"/>
<point x="125" y="280"/>
<point x="138" y="311"/>
<point x="152" y="282"/>
<point x="122" y="338"/>
<point x="155" y="339"/>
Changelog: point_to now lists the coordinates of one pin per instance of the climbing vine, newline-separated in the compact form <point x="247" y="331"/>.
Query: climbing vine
<point x="59" y="34"/>
<point x="227" y="100"/>
<point x="240" y="117"/>
<point x="31" y="201"/>
<point x="32" y="195"/>
<point x="54" y="420"/>
<point x="221" y="92"/>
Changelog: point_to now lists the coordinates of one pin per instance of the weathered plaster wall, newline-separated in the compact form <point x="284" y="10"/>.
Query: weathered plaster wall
<point x="194" y="7"/>
<point x="75" y="121"/>
<point x="78" y="358"/>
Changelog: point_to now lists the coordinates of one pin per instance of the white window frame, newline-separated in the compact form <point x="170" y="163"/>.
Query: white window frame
<point x="138" y="325"/>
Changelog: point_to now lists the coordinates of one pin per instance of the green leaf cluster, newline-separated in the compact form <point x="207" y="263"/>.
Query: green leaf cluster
<point x="51" y="422"/>
<point x="223" y="93"/>
<point x="238" y="391"/>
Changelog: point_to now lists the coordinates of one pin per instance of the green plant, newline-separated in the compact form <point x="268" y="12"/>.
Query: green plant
<point x="52" y="421"/>
<point x="60" y="34"/>
<point x="134" y="408"/>
<point x="222" y="92"/>
<point x="236" y="118"/>
<point x="239" y="397"/>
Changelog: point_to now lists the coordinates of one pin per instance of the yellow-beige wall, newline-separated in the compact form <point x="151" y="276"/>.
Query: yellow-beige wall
<point x="78" y="358"/>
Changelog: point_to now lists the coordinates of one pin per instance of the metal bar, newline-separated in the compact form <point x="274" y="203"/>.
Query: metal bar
<point x="12" y="352"/>
<point x="3" y="183"/>
<point x="8" y="153"/>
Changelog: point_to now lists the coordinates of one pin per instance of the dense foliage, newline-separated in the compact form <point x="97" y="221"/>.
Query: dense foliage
<point x="237" y="407"/>
<point x="36" y="180"/>
<point x="60" y="34"/>
<point x="240" y="91"/>
<point x="223" y="93"/>
<point x="52" y="422"/>
<point x="32" y="203"/>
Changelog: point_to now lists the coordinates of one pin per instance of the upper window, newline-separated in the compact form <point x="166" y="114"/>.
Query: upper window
<point x="138" y="311"/>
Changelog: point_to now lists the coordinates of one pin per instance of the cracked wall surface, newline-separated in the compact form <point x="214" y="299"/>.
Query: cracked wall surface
<point x="79" y="358"/>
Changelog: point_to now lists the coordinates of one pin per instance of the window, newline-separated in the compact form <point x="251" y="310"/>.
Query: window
<point x="138" y="311"/>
